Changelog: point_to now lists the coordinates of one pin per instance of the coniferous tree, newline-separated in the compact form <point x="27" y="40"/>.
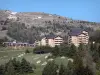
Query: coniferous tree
<point x="63" y="70"/>
<point x="72" y="50"/>
<point x="81" y="50"/>
<point x="2" y="69"/>
<point x="78" y="66"/>
<point x="87" y="71"/>
<point x="64" y="50"/>
<point x="25" y="67"/>
<point x="50" y="69"/>
<point x="99" y="50"/>
<point x="10" y="69"/>
<point x="69" y="70"/>
<point x="56" y="51"/>
<point x="82" y="60"/>
<point x="17" y="65"/>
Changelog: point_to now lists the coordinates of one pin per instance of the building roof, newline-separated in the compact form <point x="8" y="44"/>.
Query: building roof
<point x="75" y="31"/>
<point x="52" y="36"/>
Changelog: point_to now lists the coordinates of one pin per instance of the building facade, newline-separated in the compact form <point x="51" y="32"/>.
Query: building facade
<point x="78" y="36"/>
<point x="51" y="41"/>
<point x="15" y="44"/>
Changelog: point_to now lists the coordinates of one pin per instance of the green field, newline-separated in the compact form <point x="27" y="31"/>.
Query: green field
<point x="39" y="60"/>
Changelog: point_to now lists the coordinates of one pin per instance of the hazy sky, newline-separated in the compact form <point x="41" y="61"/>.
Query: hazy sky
<point x="76" y="9"/>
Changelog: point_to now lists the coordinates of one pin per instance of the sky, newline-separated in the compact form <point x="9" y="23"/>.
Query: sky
<point x="88" y="10"/>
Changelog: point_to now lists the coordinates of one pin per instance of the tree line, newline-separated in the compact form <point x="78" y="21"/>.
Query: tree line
<point x="85" y="60"/>
<point x="14" y="67"/>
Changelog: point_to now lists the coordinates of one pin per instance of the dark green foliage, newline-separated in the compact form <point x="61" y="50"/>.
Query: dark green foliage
<point x="99" y="50"/>
<point x="98" y="65"/>
<point x="83" y="63"/>
<point x="10" y="69"/>
<point x="95" y="36"/>
<point x="79" y="69"/>
<point x="64" y="51"/>
<point x="62" y="70"/>
<point x="77" y="62"/>
<point x="2" y="42"/>
<point x="17" y="31"/>
<point x="17" y="65"/>
<point x="87" y="71"/>
<point x="83" y="71"/>
<point x="69" y="70"/>
<point x="25" y="67"/>
<point x="50" y="69"/>
<point x="42" y="49"/>
<point x="21" y="33"/>
<point x="92" y="47"/>
<point x="27" y="51"/>
<point x="14" y="67"/>
<point x="95" y="56"/>
<point x="4" y="28"/>
<point x="81" y="50"/>
<point x="2" y="70"/>
<point x="95" y="51"/>
<point x="56" y="51"/>
<point x="68" y="51"/>
<point x="72" y="51"/>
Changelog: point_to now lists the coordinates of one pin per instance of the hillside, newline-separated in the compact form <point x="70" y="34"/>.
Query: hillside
<point x="28" y="26"/>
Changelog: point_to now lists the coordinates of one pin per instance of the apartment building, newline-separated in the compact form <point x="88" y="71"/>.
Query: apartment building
<point x="50" y="40"/>
<point x="77" y="36"/>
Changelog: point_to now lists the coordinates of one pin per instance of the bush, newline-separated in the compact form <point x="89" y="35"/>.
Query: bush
<point x="42" y="49"/>
<point x="27" y="51"/>
<point x="4" y="28"/>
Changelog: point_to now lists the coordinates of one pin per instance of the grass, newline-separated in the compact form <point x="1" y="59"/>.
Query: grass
<point x="6" y="55"/>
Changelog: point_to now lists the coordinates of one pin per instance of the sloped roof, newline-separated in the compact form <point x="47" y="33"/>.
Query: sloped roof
<point x="75" y="31"/>
<point x="50" y="36"/>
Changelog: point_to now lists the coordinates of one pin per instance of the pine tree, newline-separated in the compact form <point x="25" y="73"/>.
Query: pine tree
<point x="25" y="67"/>
<point x="56" y="51"/>
<point x="78" y="66"/>
<point x="17" y="65"/>
<point x="62" y="70"/>
<point x="2" y="69"/>
<point x="10" y="69"/>
<point x="50" y="69"/>
<point x="69" y="70"/>
<point x="87" y="71"/>
<point x="81" y="50"/>
<point x="99" y="51"/>
<point x="72" y="51"/>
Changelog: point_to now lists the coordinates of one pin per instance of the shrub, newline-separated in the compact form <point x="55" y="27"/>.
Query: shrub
<point x="27" y="51"/>
<point x="42" y="49"/>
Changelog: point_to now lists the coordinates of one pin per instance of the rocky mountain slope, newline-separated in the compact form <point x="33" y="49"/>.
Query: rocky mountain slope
<point x="26" y="26"/>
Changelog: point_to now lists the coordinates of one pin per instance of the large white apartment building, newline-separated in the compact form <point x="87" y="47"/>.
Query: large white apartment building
<point x="77" y="36"/>
<point x="50" y="40"/>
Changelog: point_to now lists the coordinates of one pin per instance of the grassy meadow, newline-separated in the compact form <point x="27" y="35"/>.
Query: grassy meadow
<point x="39" y="60"/>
